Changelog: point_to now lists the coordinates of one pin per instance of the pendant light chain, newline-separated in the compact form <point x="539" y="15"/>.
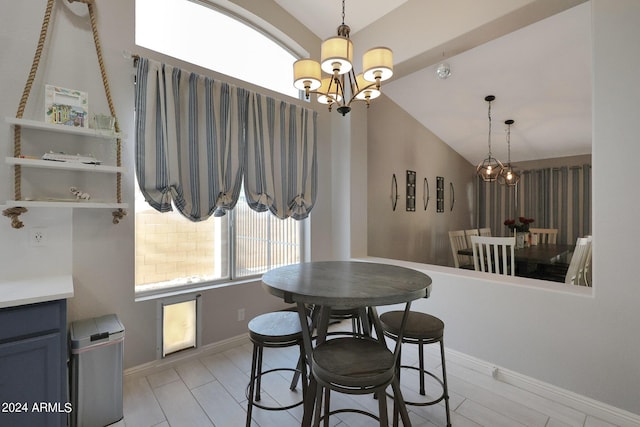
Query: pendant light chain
<point x="489" y="114"/>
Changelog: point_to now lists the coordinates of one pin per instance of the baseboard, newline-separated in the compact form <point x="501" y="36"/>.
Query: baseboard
<point x="568" y="398"/>
<point x="183" y="356"/>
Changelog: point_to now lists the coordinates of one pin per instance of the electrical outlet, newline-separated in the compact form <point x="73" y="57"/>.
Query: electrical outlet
<point x="38" y="236"/>
<point x="240" y="314"/>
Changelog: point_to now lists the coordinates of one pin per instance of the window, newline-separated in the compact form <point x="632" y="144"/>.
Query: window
<point x="206" y="37"/>
<point x="171" y="251"/>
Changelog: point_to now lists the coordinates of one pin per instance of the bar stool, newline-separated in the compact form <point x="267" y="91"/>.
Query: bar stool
<point x="273" y="330"/>
<point x="421" y="329"/>
<point x="356" y="364"/>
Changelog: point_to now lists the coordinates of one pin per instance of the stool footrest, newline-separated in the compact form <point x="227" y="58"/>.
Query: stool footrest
<point x="272" y="408"/>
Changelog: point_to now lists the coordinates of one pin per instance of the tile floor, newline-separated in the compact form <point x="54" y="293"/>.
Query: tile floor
<point x="210" y="391"/>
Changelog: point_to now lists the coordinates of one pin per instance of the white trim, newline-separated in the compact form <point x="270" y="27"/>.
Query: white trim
<point x="564" y="397"/>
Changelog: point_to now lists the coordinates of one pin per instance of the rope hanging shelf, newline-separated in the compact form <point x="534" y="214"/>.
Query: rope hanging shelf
<point x="15" y="209"/>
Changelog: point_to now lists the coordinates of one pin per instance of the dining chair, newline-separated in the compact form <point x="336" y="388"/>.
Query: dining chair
<point x="575" y="271"/>
<point x="469" y="233"/>
<point x="494" y="254"/>
<point x="545" y="235"/>
<point x="586" y="271"/>
<point x="458" y="241"/>
<point x="485" y="232"/>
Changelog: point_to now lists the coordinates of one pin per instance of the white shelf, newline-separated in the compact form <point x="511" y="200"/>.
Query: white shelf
<point x="35" y="124"/>
<point x="65" y="204"/>
<point x="49" y="164"/>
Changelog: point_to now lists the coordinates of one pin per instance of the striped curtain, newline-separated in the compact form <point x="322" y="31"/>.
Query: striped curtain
<point x="554" y="197"/>
<point x="281" y="170"/>
<point x="192" y="135"/>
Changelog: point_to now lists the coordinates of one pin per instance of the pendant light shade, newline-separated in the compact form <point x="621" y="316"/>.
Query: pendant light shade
<point x="306" y="75"/>
<point x="490" y="168"/>
<point x="508" y="176"/>
<point x="336" y="55"/>
<point x="365" y="90"/>
<point x="377" y="64"/>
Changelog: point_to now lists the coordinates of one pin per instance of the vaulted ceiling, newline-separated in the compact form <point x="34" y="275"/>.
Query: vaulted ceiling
<point x="533" y="55"/>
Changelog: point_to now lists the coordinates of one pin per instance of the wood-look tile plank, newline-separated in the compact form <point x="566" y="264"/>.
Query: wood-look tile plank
<point x="180" y="406"/>
<point x="219" y="405"/>
<point x="229" y="375"/>
<point x="194" y="373"/>
<point x="166" y="376"/>
<point x="140" y="406"/>
<point x="595" y="422"/>
<point x="485" y="416"/>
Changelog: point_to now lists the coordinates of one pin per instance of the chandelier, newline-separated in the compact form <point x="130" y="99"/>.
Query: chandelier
<point x="508" y="176"/>
<point x="341" y="86"/>
<point x="490" y="168"/>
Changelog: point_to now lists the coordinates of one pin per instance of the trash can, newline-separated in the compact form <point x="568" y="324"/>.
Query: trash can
<point x="96" y="371"/>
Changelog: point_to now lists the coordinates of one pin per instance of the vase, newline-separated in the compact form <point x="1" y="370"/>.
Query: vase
<point x="520" y="239"/>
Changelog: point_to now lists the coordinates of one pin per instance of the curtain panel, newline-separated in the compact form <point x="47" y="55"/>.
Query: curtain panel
<point x="554" y="197"/>
<point x="197" y="139"/>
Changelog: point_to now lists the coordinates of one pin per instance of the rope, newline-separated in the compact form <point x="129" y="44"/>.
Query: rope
<point x="14" y="213"/>
<point x="107" y="90"/>
<point x="17" y="134"/>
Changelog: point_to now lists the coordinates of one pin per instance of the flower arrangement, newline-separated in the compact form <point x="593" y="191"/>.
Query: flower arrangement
<point x="521" y="226"/>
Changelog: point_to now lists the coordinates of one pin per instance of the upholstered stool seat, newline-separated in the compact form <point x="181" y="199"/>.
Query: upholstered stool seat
<point x="353" y="366"/>
<point x="271" y="330"/>
<point x="421" y="329"/>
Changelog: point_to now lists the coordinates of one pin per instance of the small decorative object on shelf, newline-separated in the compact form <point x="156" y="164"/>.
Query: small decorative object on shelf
<point x="87" y="159"/>
<point x="103" y="122"/>
<point x="80" y="195"/>
<point x="66" y="106"/>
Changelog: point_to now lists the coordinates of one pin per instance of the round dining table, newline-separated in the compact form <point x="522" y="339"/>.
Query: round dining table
<point x="327" y="285"/>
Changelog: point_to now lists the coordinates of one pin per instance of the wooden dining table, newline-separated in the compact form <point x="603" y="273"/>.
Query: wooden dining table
<point x="541" y="257"/>
<point x="329" y="285"/>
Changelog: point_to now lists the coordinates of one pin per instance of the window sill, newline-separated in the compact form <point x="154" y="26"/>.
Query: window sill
<point x="190" y="289"/>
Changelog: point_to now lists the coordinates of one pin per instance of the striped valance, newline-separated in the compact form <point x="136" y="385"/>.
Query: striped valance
<point x="197" y="138"/>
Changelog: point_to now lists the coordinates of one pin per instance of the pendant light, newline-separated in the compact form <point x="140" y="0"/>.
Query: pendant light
<point x="508" y="176"/>
<point x="341" y="85"/>
<point x="490" y="168"/>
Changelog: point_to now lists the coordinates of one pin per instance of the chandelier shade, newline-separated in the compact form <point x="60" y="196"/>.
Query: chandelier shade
<point x="328" y="93"/>
<point x="377" y="63"/>
<point x="336" y="55"/>
<point x="306" y="74"/>
<point x="508" y="176"/>
<point x="490" y="168"/>
<point x="366" y="90"/>
<point x="342" y="86"/>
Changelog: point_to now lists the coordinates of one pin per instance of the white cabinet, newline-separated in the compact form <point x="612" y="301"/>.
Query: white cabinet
<point x="45" y="183"/>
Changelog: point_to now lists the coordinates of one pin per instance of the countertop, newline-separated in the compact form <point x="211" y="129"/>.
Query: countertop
<point x="35" y="289"/>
